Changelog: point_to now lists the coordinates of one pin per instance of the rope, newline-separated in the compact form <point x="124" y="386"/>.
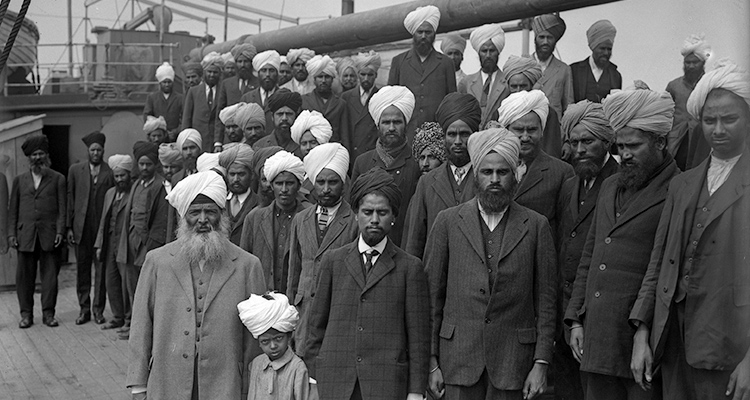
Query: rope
<point x="14" y="33"/>
<point x="3" y="8"/>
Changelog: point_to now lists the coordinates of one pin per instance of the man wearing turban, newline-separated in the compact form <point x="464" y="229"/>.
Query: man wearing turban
<point x="164" y="103"/>
<point x="155" y="130"/>
<point x="347" y="73"/>
<point x="193" y="74"/>
<point x="237" y="159"/>
<point x="231" y="90"/>
<point x="170" y="158"/>
<point x="322" y="71"/>
<point x="392" y="362"/>
<point x="453" y="46"/>
<point x="88" y="182"/>
<point x="189" y="142"/>
<point x="595" y="77"/>
<point x="267" y="65"/>
<point x="262" y="187"/>
<point x="227" y="118"/>
<point x="201" y="101"/>
<point x="556" y="81"/>
<point x="297" y="59"/>
<point x="284" y="107"/>
<point x="428" y="148"/>
<point x="311" y="129"/>
<point x="266" y="230"/>
<point x="204" y="362"/>
<point x="488" y="85"/>
<point x="472" y="252"/>
<point x="360" y="132"/>
<point x="230" y="65"/>
<point x="391" y="108"/>
<point x="36" y="225"/>
<point x="429" y="74"/>
<point x="285" y="71"/>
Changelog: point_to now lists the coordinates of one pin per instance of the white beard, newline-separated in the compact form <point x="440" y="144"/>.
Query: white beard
<point x="203" y="246"/>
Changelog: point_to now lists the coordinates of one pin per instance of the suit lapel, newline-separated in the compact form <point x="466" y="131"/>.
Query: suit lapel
<point x="250" y="202"/>
<point x="534" y="175"/>
<point x="339" y="223"/>
<point x="382" y="266"/>
<point x="653" y="194"/>
<point x="551" y="71"/>
<point x="475" y="85"/>
<point x="431" y="63"/>
<point x="184" y="277"/>
<point x="732" y="189"/>
<point x="266" y="225"/>
<point x="43" y="183"/>
<point x="468" y="223"/>
<point x="515" y="229"/>
<point x="442" y="186"/>
<point x="221" y="274"/>
<point x="354" y="266"/>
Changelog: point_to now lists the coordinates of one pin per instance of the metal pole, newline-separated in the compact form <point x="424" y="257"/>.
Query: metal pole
<point x="226" y="18"/>
<point x="132" y="9"/>
<point x="70" y="37"/>
<point x="161" y="32"/>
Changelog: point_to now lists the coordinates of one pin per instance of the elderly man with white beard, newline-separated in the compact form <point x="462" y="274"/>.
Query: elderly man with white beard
<point x="186" y="340"/>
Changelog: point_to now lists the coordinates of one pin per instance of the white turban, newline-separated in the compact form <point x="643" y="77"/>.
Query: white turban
<point x="249" y="113"/>
<point x="164" y="71"/>
<point x="726" y="75"/>
<point x="321" y="65"/>
<point x="499" y="140"/>
<point x="416" y="18"/>
<point x="283" y="161"/>
<point x="271" y="57"/>
<point x="212" y="58"/>
<point x="191" y="135"/>
<point x="153" y="123"/>
<point x="283" y="60"/>
<point x="493" y="32"/>
<point x="209" y="184"/>
<point x="228" y="113"/>
<point x="333" y="156"/>
<point x="696" y="44"/>
<point x="228" y="58"/>
<point x="303" y="54"/>
<point x="600" y="32"/>
<point x="314" y="122"/>
<point x="261" y="313"/>
<point x="640" y="109"/>
<point x="399" y="96"/>
<point x="518" y="104"/>
<point x="121" y="161"/>
<point x="208" y="162"/>
<point x="370" y="59"/>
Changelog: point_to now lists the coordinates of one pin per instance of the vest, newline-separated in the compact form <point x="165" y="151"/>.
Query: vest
<point x="700" y="214"/>
<point x="596" y="91"/>
<point x="201" y="282"/>
<point x="493" y="242"/>
<point x="458" y="190"/>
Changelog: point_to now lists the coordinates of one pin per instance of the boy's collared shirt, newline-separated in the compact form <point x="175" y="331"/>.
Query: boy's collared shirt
<point x="283" y="378"/>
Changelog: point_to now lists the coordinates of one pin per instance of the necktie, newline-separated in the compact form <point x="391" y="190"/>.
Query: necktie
<point x="243" y="85"/>
<point x="323" y="219"/>
<point x="210" y="97"/>
<point x="94" y="174"/>
<point x="235" y="203"/>
<point x="368" y="262"/>
<point x="485" y="91"/>
<point x="363" y="98"/>
<point x="459" y="175"/>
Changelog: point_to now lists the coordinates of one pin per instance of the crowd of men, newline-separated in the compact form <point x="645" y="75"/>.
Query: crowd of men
<point x="446" y="235"/>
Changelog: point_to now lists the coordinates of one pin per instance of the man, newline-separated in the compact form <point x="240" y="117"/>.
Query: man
<point x="232" y="89"/>
<point x="683" y="137"/>
<point x="193" y="74"/>
<point x="156" y="130"/>
<point x="556" y="81"/>
<point x="266" y="230"/>
<point x="237" y="160"/>
<point x="595" y="77"/>
<point x="697" y="323"/>
<point x="230" y="65"/>
<point x="316" y="230"/>
<point x="227" y="118"/>
<point x="488" y="84"/>
<point x="625" y="222"/>
<point x="284" y="105"/>
<point x="371" y="312"/>
<point x="492" y="273"/>
<point x="590" y="137"/>
<point x="453" y="46"/>
<point x="392" y="108"/>
<point x="262" y="187"/>
<point x="189" y="142"/>
<point x="201" y="101"/>
<point x="347" y="74"/>
<point x="252" y="121"/>
<point x="429" y="75"/>
<point x="297" y="59"/>
<point x="267" y="64"/>
<point x="195" y="284"/>
<point x="108" y="237"/>
<point x="285" y="71"/>
<point x="165" y="103"/>
<point x="170" y="158"/>
<point x="428" y="148"/>
<point x="361" y="132"/>
<point x="311" y="129"/>
<point x="36" y="224"/>
<point x="88" y="182"/>
<point x="145" y="225"/>
<point x="450" y="185"/>
<point x="322" y="70"/>
<point x="540" y="176"/>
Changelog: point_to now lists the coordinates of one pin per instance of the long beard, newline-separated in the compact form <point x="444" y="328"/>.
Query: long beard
<point x="207" y="246"/>
<point x="495" y="202"/>
<point x="637" y="176"/>
<point x="587" y="170"/>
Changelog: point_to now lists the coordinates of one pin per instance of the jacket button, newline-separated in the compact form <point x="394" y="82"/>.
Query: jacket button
<point x="359" y="359"/>
<point x="487" y="321"/>
<point x="481" y="291"/>
<point x="184" y="355"/>
<point x="189" y="309"/>
<point x="186" y="333"/>
<point x="705" y="209"/>
<point x="602" y="267"/>
<point x="567" y="284"/>
<point x="359" y="328"/>
<point x="608" y="240"/>
<point x="597" y="294"/>
<point x="573" y="234"/>
<point x="664" y="289"/>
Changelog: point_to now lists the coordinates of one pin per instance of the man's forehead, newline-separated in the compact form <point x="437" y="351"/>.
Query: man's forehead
<point x="203" y="206"/>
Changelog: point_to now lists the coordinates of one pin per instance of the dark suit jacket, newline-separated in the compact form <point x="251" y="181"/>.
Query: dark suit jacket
<point x="37" y="214"/>
<point x="430" y="81"/>
<point x="612" y="267"/>
<point x="229" y="93"/>
<point x="253" y="96"/>
<point x="334" y="110"/>
<point x="581" y="70"/>
<point x="238" y="221"/>
<point x="270" y="140"/>
<point x="156" y="222"/>
<point x="501" y="327"/>
<point x="3" y="214"/>
<point x="170" y="109"/>
<point x="473" y="85"/>
<point x="557" y="84"/>
<point x="373" y="329"/>
<point x="102" y="235"/>
<point x="199" y="116"/>
<point x="360" y="133"/>
<point x="717" y="303"/>
<point x="79" y="185"/>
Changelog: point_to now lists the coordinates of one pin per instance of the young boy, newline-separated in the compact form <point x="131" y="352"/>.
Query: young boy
<point x="278" y="373"/>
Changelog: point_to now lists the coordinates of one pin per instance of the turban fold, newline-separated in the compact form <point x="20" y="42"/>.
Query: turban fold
<point x="261" y="155"/>
<point x="303" y="54"/>
<point x="320" y="65"/>
<point x="227" y="114"/>
<point x="271" y="57"/>
<point x="399" y="96"/>
<point x="591" y="116"/>
<point x="376" y="180"/>
<point x="314" y="122"/>
<point x="152" y="123"/>
<point x="212" y="58"/>
<point x="430" y="136"/>
<point x="240" y="153"/>
<point x="271" y="310"/>
<point x="95" y="137"/>
<point x="499" y="140"/>
<point x="342" y="64"/>
<point x="284" y="98"/>
<point x="370" y="59"/>
<point x="493" y="32"/>
<point x="193" y="66"/>
<point x="249" y="113"/>
<point x="283" y="60"/>
<point x="283" y="161"/>
<point x="453" y="41"/>
<point x="142" y="148"/>
<point x="517" y="105"/>
<point x="528" y="67"/>
<point x="640" y="109"/>
<point x="228" y="58"/>
<point x="549" y="23"/>
<point x="333" y="156"/>
<point x="169" y="154"/>
<point x="726" y="75"/>
<point x="246" y="50"/>
<point x="416" y="18"/>
<point x="696" y="44"/>
<point x="189" y="134"/>
<point x="204" y="183"/>
<point x="164" y="71"/>
<point x="120" y="161"/>
<point x="457" y="106"/>
<point x="600" y="32"/>
<point x="208" y="162"/>
<point x="34" y="143"/>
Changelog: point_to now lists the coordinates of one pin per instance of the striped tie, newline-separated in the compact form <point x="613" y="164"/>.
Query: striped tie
<point x="323" y="219"/>
<point x="368" y="262"/>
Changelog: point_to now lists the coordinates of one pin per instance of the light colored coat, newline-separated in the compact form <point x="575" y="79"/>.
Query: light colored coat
<point x="557" y="84"/>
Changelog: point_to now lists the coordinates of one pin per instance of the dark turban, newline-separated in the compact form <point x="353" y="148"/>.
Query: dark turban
<point x="244" y="50"/>
<point x="457" y="106"/>
<point x="377" y="181"/>
<point x="192" y="66"/>
<point x="142" y="148"/>
<point x="527" y="67"/>
<point x="261" y="155"/>
<point x="429" y="136"/>
<point x="549" y="23"/>
<point x="284" y="98"/>
<point x="34" y="143"/>
<point x="94" y="137"/>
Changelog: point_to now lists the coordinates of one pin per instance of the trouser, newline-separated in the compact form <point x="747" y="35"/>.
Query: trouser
<point x="566" y="373"/>
<point x="114" y="276"/>
<point x="85" y="255"/>
<point x="131" y="282"/>
<point x="482" y="390"/>
<point x="357" y="392"/>
<point x="598" y="386"/>
<point x="49" y="266"/>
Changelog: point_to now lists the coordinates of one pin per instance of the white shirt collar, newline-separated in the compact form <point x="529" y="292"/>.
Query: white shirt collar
<point x="240" y="197"/>
<point x="364" y="247"/>
<point x="595" y="69"/>
<point x="331" y="210"/>
<point x="485" y="75"/>
<point x="718" y="172"/>
<point x="491" y="219"/>
<point x="544" y="64"/>
<point x="466" y="168"/>
<point x="166" y="95"/>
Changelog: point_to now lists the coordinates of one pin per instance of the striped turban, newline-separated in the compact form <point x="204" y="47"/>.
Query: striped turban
<point x="314" y="122"/>
<point x="591" y="116"/>
<point x="303" y="54"/>
<point x="212" y="58"/>
<point x="601" y="31"/>
<point x="549" y="23"/>
<point x="399" y="96"/>
<point x="640" y="109"/>
<point x="239" y="153"/>
<point x="246" y="50"/>
<point x="416" y="18"/>
<point x="726" y="75"/>
<point x="527" y="67"/>
<point x="499" y="140"/>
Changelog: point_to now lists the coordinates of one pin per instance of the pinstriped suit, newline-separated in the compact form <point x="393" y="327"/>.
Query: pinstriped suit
<point x="473" y="85"/>
<point x="199" y="116"/>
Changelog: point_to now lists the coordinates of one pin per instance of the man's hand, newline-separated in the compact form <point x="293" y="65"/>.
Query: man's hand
<point x="58" y="239"/>
<point x="71" y="237"/>
<point x="576" y="341"/>
<point x="536" y="381"/>
<point x="217" y="148"/>
<point x="12" y="242"/>
<point x="739" y="381"/>
<point x="436" y="384"/>
<point x="642" y="359"/>
<point x="139" y="396"/>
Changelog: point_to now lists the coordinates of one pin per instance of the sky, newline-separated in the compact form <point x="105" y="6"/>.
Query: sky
<point x="649" y="38"/>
